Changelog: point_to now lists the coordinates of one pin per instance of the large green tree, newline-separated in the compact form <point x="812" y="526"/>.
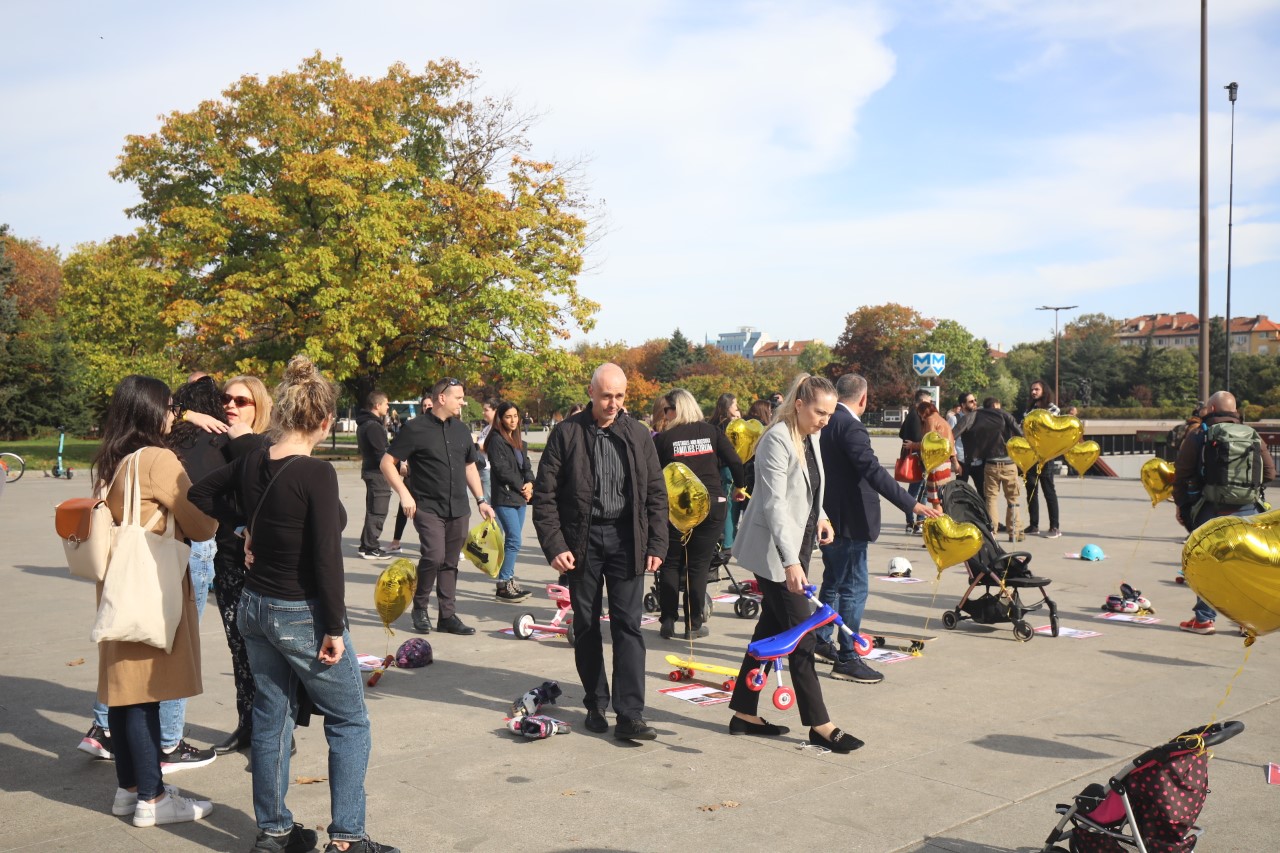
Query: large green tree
<point x="968" y="360"/>
<point x="391" y="228"/>
<point x="877" y="342"/>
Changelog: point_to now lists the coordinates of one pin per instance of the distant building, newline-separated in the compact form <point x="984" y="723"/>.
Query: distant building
<point x="744" y="342"/>
<point x="785" y="352"/>
<point x="1255" y="335"/>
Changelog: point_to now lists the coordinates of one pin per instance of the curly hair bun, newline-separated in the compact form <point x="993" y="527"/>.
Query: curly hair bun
<point x="301" y="370"/>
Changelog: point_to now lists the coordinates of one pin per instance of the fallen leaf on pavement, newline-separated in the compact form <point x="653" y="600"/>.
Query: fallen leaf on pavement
<point x="75" y="662"/>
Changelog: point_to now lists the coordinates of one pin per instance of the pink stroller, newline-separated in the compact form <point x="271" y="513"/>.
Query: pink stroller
<point x="1151" y="806"/>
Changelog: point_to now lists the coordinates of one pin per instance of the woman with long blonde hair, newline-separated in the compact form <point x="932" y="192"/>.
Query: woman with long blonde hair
<point x="775" y="541"/>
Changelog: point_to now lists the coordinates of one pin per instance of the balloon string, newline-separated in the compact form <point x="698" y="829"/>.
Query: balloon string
<point x="1248" y="650"/>
<point x="688" y="595"/>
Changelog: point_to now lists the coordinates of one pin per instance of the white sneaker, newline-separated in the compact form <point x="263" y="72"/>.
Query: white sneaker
<point x="171" y="809"/>
<point x="127" y="801"/>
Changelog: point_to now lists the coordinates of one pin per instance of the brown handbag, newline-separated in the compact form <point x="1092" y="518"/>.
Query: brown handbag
<point x="84" y="526"/>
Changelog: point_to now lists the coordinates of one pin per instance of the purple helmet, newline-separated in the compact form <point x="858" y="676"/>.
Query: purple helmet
<point x="414" y="653"/>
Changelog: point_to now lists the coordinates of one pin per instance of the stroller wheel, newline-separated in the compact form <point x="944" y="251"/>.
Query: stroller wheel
<point x="650" y="603"/>
<point x="1023" y="631"/>
<point x="1054" y="628"/>
<point x="949" y="620"/>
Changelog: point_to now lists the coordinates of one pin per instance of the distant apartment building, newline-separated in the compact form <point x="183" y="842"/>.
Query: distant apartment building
<point x="744" y="342"/>
<point x="784" y="352"/>
<point x="1255" y="335"/>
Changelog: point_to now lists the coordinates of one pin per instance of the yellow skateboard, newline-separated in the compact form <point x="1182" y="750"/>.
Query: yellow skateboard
<point x="685" y="670"/>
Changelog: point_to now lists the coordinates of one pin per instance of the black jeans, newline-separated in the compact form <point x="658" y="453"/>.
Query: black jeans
<point x="441" y="542"/>
<point x="696" y="558"/>
<point x="228" y="582"/>
<point x="135" y="737"/>
<point x="377" y="497"/>
<point x="608" y="565"/>
<point x="1050" y="495"/>
<point x="780" y="610"/>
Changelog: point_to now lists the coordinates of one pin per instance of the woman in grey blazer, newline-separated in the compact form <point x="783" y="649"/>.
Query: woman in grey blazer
<point x="775" y="541"/>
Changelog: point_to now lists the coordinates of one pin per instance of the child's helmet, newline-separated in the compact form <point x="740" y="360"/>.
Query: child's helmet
<point x="414" y="653"/>
<point x="899" y="567"/>
<point x="1092" y="552"/>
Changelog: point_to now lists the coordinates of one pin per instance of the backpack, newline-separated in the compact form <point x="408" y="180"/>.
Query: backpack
<point x="1231" y="465"/>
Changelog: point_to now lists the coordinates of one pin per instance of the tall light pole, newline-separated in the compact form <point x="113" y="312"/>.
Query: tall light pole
<point x="1231" y="190"/>
<point x="1204" y="200"/>
<point x="1055" y="309"/>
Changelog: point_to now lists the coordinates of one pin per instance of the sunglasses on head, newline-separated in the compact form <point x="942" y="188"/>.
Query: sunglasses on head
<point x="175" y="408"/>
<point x="238" y="401"/>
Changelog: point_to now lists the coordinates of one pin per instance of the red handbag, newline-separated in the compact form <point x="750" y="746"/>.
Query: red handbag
<point x="908" y="469"/>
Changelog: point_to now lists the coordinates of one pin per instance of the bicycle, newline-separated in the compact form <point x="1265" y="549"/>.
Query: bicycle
<point x="13" y="467"/>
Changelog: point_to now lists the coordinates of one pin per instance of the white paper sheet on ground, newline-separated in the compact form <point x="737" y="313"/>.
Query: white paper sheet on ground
<point x="888" y="579"/>
<point x="536" y="635"/>
<point x="726" y="598"/>
<point x="1064" y="631"/>
<point x="887" y="656"/>
<point x="368" y="663"/>
<point x="698" y="694"/>
<point x="1129" y="617"/>
<point x="644" y="620"/>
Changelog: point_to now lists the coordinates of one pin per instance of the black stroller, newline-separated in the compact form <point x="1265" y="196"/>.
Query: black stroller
<point x="1009" y="573"/>
<point x="1151" y="805"/>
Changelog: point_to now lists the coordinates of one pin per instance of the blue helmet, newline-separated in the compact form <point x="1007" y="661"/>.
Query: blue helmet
<point x="1092" y="552"/>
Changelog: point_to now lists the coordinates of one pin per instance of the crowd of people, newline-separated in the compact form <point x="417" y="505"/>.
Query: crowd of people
<point x="233" y="470"/>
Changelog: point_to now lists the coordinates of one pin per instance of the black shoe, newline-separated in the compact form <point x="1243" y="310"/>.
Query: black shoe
<point x="634" y="728"/>
<point x="421" y="621"/>
<point x="299" y="840"/>
<point x="855" y="669"/>
<point x="184" y="756"/>
<point x="240" y="739"/>
<point x="364" y="845"/>
<point x="96" y="742"/>
<point x="374" y="554"/>
<point x="841" y="741"/>
<point x="668" y="629"/>
<point x="596" y="722"/>
<point x="508" y="592"/>
<point x="697" y="633"/>
<point x="826" y="651"/>
<point x="739" y="726"/>
<point x="1033" y="530"/>
<point x="454" y="625"/>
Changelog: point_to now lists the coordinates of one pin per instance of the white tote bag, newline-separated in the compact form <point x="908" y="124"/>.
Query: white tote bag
<point x="142" y="594"/>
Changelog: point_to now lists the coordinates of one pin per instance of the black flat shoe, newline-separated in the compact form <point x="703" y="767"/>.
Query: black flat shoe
<point x="454" y="625"/>
<point x="422" y="622"/>
<point x="739" y="726"/>
<point x="237" y="741"/>
<point x="841" y="741"/>
<point x="596" y="721"/>
<point x="633" y="728"/>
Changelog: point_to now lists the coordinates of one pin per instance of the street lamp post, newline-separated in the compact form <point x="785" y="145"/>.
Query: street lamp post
<point x="1231" y="188"/>
<point x="1055" y="309"/>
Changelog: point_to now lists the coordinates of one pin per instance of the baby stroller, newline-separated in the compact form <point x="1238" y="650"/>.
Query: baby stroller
<point x="1009" y="573"/>
<point x="1152" y="805"/>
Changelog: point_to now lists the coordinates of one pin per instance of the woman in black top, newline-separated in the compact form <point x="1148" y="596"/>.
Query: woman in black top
<point x="511" y="481"/>
<point x="1041" y="482"/>
<point x="687" y="438"/>
<point x="292" y="613"/>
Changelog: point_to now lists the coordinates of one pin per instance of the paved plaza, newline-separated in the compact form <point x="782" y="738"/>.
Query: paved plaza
<point x="968" y="747"/>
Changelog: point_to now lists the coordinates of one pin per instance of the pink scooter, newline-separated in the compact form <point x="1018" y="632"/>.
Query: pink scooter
<point x="562" y="623"/>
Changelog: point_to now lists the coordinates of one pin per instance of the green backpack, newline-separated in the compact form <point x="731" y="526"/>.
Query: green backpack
<point x="1231" y="465"/>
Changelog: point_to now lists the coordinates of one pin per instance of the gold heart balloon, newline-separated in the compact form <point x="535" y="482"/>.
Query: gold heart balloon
<point x="744" y="436"/>
<point x="688" y="501"/>
<point x="950" y="542"/>
<point x="1234" y="564"/>
<point x="393" y="593"/>
<point x="1082" y="456"/>
<point x="1157" y="479"/>
<point x="1021" y="453"/>
<point x="1051" y="435"/>
<point x="934" y="450"/>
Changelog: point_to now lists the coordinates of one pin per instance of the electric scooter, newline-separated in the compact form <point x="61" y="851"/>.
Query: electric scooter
<point x="57" y="470"/>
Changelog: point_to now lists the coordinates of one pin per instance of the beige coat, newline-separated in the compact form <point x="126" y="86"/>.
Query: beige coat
<point x="132" y="673"/>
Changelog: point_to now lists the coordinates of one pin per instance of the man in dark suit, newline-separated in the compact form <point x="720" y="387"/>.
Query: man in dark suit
<point x="855" y="483"/>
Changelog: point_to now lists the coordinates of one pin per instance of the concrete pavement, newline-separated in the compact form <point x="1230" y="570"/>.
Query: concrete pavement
<point x="968" y="747"/>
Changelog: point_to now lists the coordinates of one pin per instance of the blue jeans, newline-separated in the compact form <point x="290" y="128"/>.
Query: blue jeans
<point x="1202" y="610"/>
<point x="173" y="712"/>
<point x="511" y="520"/>
<point x="844" y="588"/>
<point x="916" y="490"/>
<point x="283" y="640"/>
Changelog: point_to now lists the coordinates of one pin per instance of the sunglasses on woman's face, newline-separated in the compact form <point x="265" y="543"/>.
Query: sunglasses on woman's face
<point x="238" y="402"/>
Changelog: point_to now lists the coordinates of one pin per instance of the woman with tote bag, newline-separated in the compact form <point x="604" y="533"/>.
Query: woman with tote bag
<point x="135" y="677"/>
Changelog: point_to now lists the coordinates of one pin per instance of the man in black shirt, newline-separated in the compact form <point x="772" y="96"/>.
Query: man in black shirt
<point x="600" y="509"/>
<point x="986" y="433"/>
<point x="371" y="438"/>
<point x="442" y="468"/>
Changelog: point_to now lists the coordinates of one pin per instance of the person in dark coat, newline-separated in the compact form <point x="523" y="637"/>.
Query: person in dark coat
<point x="600" y="510"/>
<point x="911" y="432"/>
<point x="511" y="482"/>
<point x="371" y="438"/>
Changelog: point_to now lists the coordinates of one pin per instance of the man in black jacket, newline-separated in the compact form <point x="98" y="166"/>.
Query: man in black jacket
<point x="371" y="437"/>
<point x="986" y="433"/>
<point x="855" y="483"/>
<point x="600" y="510"/>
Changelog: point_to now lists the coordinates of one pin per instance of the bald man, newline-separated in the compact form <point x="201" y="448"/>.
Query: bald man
<point x="1194" y="470"/>
<point x="600" y="510"/>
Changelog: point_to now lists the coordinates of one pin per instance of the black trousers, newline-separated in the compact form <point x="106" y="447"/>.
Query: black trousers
<point x="228" y="581"/>
<point x="1050" y="494"/>
<point x="695" y="558"/>
<point x="608" y="566"/>
<point x="441" y="542"/>
<point x="377" y="497"/>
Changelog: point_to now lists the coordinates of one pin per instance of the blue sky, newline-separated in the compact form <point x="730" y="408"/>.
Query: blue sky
<point x="766" y="164"/>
